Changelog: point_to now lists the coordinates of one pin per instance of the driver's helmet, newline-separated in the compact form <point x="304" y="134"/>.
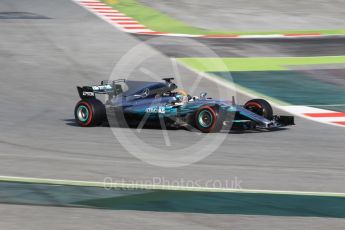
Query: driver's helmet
<point x="181" y="95"/>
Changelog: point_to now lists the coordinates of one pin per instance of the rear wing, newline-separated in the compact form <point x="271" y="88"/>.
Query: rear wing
<point x="106" y="87"/>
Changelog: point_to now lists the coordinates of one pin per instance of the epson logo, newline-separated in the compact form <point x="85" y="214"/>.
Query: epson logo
<point x="89" y="94"/>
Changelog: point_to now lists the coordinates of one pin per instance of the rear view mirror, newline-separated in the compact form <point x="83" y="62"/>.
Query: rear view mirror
<point x="203" y="95"/>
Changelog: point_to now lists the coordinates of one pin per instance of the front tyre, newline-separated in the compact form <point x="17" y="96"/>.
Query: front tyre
<point x="260" y="107"/>
<point x="89" y="112"/>
<point x="206" y="120"/>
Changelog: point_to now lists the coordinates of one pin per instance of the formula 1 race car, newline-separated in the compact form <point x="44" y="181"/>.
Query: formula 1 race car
<point x="162" y="104"/>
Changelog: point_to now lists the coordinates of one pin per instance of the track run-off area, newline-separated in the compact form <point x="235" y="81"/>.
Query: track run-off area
<point x="311" y="87"/>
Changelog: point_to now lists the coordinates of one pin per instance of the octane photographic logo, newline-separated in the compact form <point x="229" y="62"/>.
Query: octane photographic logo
<point x="165" y="147"/>
<point x="233" y="183"/>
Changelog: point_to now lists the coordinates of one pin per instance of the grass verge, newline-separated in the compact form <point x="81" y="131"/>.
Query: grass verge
<point x="256" y="63"/>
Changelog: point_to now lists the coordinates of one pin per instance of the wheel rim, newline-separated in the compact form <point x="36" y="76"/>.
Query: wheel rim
<point x="255" y="108"/>
<point x="205" y="118"/>
<point x="83" y="113"/>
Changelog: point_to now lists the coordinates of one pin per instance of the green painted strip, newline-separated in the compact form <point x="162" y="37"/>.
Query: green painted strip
<point x="289" y="86"/>
<point x="160" y="187"/>
<point x="172" y="201"/>
<point x="256" y="63"/>
<point x="158" y="21"/>
<point x="225" y="203"/>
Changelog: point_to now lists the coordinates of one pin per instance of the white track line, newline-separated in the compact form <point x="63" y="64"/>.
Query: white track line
<point x="160" y="187"/>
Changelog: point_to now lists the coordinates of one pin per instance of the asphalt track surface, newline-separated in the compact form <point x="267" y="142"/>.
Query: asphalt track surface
<point x="62" y="45"/>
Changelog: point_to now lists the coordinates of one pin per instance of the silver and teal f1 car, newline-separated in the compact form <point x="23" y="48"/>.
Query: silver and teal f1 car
<point x="162" y="104"/>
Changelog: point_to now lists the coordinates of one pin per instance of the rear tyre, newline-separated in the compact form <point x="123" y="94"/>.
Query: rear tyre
<point x="260" y="107"/>
<point x="206" y="120"/>
<point x="89" y="112"/>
